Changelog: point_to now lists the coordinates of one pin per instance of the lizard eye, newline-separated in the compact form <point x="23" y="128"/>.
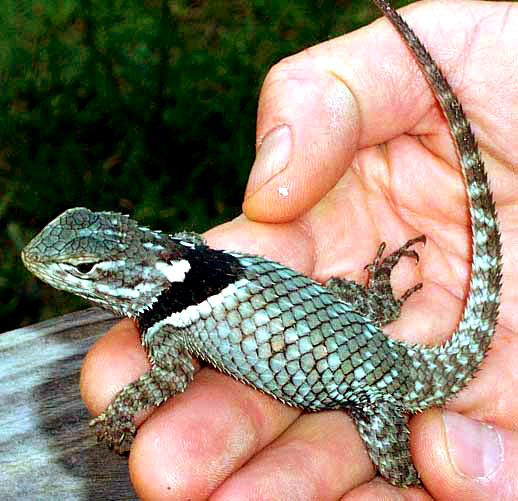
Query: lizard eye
<point x="85" y="267"/>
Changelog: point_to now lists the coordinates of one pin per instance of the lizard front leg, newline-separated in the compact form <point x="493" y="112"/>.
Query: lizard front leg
<point x="116" y="425"/>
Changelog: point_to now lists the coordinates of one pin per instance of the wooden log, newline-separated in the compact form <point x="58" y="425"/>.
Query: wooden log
<point x="47" y="450"/>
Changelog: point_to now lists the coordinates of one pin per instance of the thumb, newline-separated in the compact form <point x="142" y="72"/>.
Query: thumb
<point x="307" y="127"/>
<point x="457" y="456"/>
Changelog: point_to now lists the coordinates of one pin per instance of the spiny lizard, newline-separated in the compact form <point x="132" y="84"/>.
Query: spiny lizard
<point x="312" y="346"/>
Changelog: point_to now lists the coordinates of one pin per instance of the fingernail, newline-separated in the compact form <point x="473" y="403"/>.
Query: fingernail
<point x="272" y="157"/>
<point x="476" y="449"/>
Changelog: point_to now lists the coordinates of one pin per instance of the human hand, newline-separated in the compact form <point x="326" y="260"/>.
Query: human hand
<point x="339" y="194"/>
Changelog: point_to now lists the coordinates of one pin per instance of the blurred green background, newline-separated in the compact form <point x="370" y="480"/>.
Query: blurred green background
<point x="145" y="107"/>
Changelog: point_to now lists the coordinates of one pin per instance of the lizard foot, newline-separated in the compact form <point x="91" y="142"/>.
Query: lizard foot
<point x="378" y="284"/>
<point x="380" y="270"/>
<point x="116" y="429"/>
<point x="376" y="300"/>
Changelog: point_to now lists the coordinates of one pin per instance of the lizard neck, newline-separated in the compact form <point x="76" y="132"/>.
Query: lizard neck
<point x="211" y="271"/>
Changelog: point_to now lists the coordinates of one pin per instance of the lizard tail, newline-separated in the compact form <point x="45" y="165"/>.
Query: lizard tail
<point x="444" y="370"/>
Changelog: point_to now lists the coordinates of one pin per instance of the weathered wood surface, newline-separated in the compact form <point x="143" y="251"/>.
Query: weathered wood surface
<point x="47" y="450"/>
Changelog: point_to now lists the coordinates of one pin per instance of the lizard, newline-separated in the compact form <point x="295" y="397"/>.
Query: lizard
<point x="310" y="345"/>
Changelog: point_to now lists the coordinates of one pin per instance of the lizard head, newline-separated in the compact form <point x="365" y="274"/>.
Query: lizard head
<point x="109" y="259"/>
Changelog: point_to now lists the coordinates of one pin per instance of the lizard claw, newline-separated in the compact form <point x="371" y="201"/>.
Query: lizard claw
<point x="116" y="431"/>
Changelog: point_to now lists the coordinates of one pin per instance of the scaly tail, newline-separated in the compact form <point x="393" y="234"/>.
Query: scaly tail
<point x="443" y="370"/>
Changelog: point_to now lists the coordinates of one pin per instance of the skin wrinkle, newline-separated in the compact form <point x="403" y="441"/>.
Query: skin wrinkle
<point x="440" y="219"/>
<point x="437" y="216"/>
<point x="307" y="231"/>
<point x="404" y="210"/>
<point x="385" y="190"/>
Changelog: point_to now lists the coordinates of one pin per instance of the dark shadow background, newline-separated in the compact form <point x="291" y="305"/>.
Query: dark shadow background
<point x="145" y="107"/>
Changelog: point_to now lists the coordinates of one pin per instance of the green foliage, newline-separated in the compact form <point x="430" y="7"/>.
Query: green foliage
<point x="144" y="107"/>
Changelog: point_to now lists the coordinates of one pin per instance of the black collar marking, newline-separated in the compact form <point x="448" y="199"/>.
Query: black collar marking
<point x="211" y="271"/>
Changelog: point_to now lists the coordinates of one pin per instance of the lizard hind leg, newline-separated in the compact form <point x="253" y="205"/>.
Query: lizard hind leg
<point x="376" y="300"/>
<point x="384" y="430"/>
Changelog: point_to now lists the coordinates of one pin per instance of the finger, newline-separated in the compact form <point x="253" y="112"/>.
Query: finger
<point x="193" y="442"/>
<point x="288" y="244"/>
<point x="380" y="490"/>
<point x="455" y="454"/>
<point x="318" y="107"/>
<point x="320" y="456"/>
<point x="114" y="361"/>
<point x="309" y="113"/>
